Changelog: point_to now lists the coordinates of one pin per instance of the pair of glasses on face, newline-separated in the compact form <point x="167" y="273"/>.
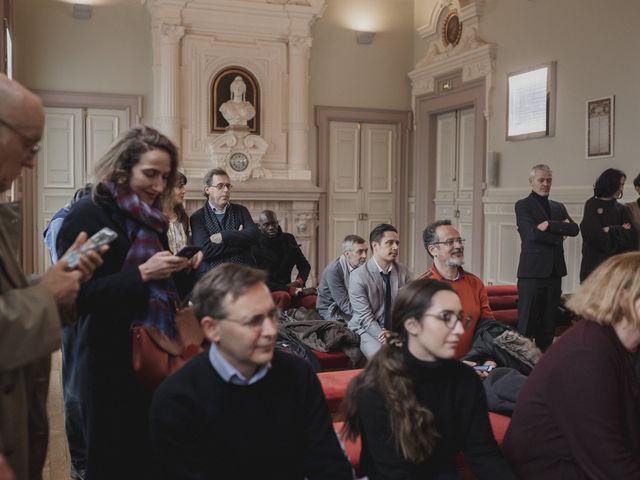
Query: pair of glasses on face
<point x="29" y="145"/>
<point x="256" y="322"/>
<point x="451" y="319"/>
<point x="451" y="242"/>
<point x="222" y="186"/>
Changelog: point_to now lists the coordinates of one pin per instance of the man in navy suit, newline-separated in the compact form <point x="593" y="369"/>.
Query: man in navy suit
<point x="543" y="225"/>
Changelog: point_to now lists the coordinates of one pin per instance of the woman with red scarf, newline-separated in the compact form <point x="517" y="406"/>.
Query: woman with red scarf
<point x="140" y="283"/>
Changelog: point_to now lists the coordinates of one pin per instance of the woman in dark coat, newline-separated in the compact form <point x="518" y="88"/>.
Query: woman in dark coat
<point x="415" y="405"/>
<point x="578" y="415"/>
<point x="606" y="225"/>
<point x="140" y="282"/>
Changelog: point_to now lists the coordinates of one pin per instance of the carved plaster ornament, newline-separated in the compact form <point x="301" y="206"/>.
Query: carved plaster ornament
<point x="237" y="111"/>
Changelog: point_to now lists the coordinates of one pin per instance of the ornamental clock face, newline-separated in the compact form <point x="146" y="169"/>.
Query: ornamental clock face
<point x="238" y="161"/>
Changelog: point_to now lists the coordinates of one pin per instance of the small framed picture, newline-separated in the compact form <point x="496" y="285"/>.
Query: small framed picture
<point x="599" y="128"/>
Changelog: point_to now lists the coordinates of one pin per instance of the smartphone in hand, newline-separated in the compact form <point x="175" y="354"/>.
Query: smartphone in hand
<point x="102" y="237"/>
<point x="483" y="368"/>
<point x="188" y="251"/>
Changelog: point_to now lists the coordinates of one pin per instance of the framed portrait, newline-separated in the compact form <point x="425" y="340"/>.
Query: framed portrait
<point x="599" y="128"/>
<point x="531" y="102"/>
<point x="221" y="93"/>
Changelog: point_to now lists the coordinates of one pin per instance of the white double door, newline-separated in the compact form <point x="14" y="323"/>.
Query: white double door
<point x="455" y="149"/>
<point x="73" y="141"/>
<point x="362" y="180"/>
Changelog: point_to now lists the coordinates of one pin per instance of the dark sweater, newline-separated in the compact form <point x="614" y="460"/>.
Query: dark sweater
<point x="598" y="245"/>
<point x="577" y="415"/>
<point x="277" y="256"/>
<point x="279" y="427"/>
<point x="453" y="392"/>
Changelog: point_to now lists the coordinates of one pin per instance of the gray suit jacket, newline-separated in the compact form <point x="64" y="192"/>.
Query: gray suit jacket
<point x="333" y="291"/>
<point x="366" y="293"/>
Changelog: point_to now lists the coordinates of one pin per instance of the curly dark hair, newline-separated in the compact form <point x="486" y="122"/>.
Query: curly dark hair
<point x="608" y="183"/>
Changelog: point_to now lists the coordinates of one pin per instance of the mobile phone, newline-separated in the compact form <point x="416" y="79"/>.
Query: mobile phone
<point x="483" y="368"/>
<point x="102" y="237"/>
<point x="188" y="251"/>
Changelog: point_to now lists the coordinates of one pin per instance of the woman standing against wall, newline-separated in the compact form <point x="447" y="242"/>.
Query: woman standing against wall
<point x="606" y="226"/>
<point x="178" y="231"/>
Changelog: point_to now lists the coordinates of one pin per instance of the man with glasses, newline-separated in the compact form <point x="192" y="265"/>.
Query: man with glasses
<point x="30" y="315"/>
<point x="243" y="409"/>
<point x="445" y="246"/>
<point x="333" y="292"/>
<point x="225" y="231"/>
<point x="543" y="225"/>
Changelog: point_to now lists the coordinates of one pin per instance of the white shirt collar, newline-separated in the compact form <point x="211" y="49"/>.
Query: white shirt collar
<point x="215" y="210"/>
<point x="380" y="268"/>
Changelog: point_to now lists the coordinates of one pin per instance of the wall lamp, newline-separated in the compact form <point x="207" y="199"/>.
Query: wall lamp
<point x="365" y="38"/>
<point x="81" y="11"/>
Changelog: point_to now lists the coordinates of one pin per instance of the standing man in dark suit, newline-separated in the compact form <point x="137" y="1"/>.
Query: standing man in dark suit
<point x="224" y="230"/>
<point x="543" y="225"/>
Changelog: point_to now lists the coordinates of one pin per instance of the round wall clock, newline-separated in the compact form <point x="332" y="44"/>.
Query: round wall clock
<point x="452" y="29"/>
<point x="238" y="161"/>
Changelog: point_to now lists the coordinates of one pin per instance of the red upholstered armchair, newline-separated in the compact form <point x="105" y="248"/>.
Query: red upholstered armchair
<point x="503" y="300"/>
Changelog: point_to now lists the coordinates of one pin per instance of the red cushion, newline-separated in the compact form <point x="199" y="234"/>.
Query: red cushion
<point x="503" y="302"/>
<point x="352" y="448"/>
<point x="499" y="425"/>
<point x="508" y="317"/>
<point x="495" y="290"/>
<point x="334" y="386"/>
<point x="332" y="360"/>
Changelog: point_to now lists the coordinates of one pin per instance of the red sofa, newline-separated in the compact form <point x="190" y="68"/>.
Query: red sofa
<point x="503" y="300"/>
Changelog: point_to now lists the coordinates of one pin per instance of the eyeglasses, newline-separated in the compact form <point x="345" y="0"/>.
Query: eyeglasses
<point x="256" y="322"/>
<point x="29" y="145"/>
<point x="451" y="319"/>
<point x="451" y="242"/>
<point x="221" y="186"/>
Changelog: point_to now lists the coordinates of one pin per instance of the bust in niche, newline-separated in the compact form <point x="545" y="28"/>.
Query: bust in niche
<point x="237" y="111"/>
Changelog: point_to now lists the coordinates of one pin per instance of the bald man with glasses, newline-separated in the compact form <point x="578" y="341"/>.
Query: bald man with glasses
<point x="225" y="231"/>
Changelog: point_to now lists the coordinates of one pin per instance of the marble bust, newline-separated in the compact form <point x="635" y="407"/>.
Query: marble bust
<point x="237" y="111"/>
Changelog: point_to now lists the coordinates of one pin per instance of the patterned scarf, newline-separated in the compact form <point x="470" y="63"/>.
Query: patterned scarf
<point x="144" y="225"/>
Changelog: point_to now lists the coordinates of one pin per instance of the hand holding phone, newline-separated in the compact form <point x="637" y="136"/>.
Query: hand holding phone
<point x="483" y="368"/>
<point x="188" y="251"/>
<point x="102" y="237"/>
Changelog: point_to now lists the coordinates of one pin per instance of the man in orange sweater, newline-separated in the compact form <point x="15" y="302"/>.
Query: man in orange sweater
<point x="444" y="245"/>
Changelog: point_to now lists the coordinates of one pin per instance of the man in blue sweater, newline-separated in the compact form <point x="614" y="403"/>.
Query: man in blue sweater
<point x="242" y="410"/>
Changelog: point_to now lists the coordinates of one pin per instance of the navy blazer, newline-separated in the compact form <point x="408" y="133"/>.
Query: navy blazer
<point x="542" y="253"/>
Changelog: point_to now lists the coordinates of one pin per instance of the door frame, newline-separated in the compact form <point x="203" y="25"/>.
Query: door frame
<point x="427" y="107"/>
<point x="30" y="227"/>
<point x="324" y="115"/>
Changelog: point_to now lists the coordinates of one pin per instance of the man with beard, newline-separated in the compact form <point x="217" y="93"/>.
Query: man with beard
<point x="444" y="245"/>
<point x="333" y="292"/>
<point x="543" y="225"/>
<point x="374" y="286"/>
<point x="277" y="253"/>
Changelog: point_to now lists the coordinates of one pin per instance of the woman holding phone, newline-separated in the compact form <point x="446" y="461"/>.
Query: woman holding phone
<point x="415" y="405"/>
<point x="140" y="283"/>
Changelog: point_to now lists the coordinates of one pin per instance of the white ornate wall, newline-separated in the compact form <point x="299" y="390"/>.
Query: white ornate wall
<point x="192" y="42"/>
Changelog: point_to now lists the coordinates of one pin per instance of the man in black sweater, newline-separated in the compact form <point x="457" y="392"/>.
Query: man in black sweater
<point x="277" y="253"/>
<point x="241" y="410"/>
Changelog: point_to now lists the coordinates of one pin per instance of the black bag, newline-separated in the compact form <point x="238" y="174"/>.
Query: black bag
<point x="290" y="344"/>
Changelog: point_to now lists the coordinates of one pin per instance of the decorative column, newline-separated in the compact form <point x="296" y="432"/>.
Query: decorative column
<point x="168" y="97"/>
<point x="298" y="140"/>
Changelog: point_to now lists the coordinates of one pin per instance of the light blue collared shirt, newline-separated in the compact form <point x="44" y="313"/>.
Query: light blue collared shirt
<point x="219" y="212"/>
<point x="229" y="373"/>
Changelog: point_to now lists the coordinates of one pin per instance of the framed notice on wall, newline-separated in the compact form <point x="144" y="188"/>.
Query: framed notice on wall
<point x="599" y="128"/>
<point x="531" y="99"/>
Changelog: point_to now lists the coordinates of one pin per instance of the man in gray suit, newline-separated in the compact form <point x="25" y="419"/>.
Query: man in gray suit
<point x="373" y="287"/>
<point x="333" y="292"/>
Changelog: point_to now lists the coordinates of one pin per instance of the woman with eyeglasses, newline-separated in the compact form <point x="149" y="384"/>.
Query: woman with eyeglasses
<point x="578" y="415"/>
<point x="607" y="227"/>
<point x="414" y="405"/>
<point x="140" y="283"/>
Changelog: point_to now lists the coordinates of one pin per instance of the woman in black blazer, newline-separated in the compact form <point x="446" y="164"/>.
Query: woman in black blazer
<point x="140" y="282"/>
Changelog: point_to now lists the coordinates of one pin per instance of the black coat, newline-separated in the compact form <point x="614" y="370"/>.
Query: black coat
<point x="277" y="256"/>
<point x="115" y="406"/>
<point x="542" y="253"/>
<point x="598" y="245"/>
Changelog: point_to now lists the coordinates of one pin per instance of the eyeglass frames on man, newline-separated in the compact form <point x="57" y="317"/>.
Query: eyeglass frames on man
<point x="256" y="322"/>
<point x="451" y="319"/>
<point x="221" y="186"/>
<point x="451" y="242"/>
<point x="32" y="148"/>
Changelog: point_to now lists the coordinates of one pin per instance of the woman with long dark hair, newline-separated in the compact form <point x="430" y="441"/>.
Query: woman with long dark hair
<point x="634" y="208"/>
<point x="139" y="283"/>
<point x="606" y="225"/>
<point x="178" y="231"/>
<point x="414" y="405"/>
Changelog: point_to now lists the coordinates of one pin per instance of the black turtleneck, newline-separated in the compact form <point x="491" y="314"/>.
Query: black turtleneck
<point x="454" y="393"/>
<point x="543" y="201"/>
